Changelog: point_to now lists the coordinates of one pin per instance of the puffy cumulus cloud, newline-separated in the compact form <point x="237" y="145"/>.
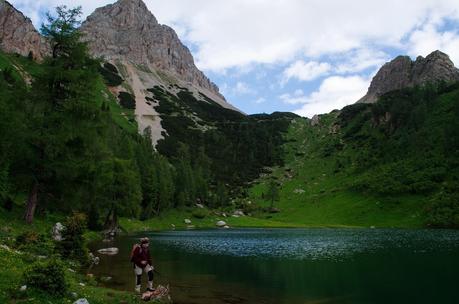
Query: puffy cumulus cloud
<point x="305" y="71"/>
<point x="359" y="60"/>
<point x="239" y="32"/>
<point x="335" y="92"/>
<point x="296" y="98"/>
<point x="429" y="38"/>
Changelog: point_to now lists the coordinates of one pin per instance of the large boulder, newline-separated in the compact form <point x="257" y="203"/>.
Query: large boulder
<point x="238" y="213"/>
<point x="220" y="224"/>
<point x="81" y="301"/>
<point x="58" y="228"/>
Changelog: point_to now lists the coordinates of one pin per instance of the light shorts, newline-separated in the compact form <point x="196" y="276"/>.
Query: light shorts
<point x="138" y="270"/>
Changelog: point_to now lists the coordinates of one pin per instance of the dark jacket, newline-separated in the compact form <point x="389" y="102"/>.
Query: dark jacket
<point x="141" y="254"/>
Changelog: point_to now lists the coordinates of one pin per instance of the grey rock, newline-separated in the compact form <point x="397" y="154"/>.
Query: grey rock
<point x="127" y="30"/>
<point x="108" y="251"/>
<point x="315" y="120"/>
<point x="58" y="228"/>
<point x="81" y="301"/>
<point x="18" y="35"/>
<point x="220" y="224"/>
<point x="106" y="279"/>
<point x="187" y="221"/>
<point x="402" y="72"/>
<point x="238" y="213"/>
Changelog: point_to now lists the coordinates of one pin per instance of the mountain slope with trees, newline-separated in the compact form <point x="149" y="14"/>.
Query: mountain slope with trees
<point x="391" y="163"/>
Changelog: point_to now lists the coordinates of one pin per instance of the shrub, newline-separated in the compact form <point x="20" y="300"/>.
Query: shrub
<point x="443" y="211"/>
<point x="47" y="276"/>
<point x="200" y="213"/>
<point x="110" y="74"/>
<point x="73" y="244"/>
<point x="33" y="243"/>
<point x="7" y="203"/>
<point x="127" y="100"/>
<point x="28" y="237"/>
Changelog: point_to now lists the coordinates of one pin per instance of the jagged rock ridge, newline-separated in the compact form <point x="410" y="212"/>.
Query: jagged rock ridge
<point x="127" y="30"/>
<point x="402" y="72"/>
<point x="18" y="35"/>
<point x="127" y="35"/>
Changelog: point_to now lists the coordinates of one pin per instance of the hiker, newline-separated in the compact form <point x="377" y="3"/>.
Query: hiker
<point x="141" y="259"/>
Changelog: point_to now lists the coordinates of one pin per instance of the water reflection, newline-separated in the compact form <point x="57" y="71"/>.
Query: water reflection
<point x="299" y="265"/>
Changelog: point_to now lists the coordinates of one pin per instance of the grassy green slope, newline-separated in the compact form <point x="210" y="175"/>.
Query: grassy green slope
<point x="327" y="199"/>
<point x="373" y="165"/>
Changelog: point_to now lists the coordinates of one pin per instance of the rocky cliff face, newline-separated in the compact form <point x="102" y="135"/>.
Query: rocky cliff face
<point x="402" y="72"/>
<point x="127" y="30"/>
<point x="18" y="35"/>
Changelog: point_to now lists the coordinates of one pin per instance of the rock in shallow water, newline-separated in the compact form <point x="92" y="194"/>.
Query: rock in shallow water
<point x="108" y="251"/>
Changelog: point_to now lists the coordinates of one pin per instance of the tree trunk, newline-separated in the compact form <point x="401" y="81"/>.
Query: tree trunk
<point x="32" y="201"/>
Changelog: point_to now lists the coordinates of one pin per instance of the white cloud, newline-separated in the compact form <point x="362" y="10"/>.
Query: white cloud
<point x="427" y="39"/>
<point x="260" y="100"/>
<point x="335" y="92"/>
<point x="238" y="33"/>
<point x="359" y="60"/>
<point x="242" y="88"/>
<point x="305" y="71"/>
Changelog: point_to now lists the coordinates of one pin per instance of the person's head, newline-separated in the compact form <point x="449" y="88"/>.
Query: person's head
<point x="144" y="242"/>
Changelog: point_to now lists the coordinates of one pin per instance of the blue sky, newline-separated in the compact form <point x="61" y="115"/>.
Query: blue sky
<point x="305" y="56"/>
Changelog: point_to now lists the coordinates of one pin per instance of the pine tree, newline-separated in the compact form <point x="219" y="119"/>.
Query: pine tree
<point x="273" y="193"/>
<point x="63" y="114"/>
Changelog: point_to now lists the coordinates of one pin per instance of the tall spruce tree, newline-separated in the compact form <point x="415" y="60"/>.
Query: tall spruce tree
<point x="63" y="114"/>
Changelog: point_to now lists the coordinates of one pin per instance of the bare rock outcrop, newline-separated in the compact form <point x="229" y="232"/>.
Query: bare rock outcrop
<point x="402" y="72"/>
<point x="18" y="35"/>
<point x="127" y="30"/>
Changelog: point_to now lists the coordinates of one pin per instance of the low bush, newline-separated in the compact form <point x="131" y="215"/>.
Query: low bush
<point x="200" y="213"/>
<point x="31" y="242"/>
<point x="73" y="245"/>
<point x="443" y="211"/>
<point x="47" y="276"/>
<point x="127" y="101"/>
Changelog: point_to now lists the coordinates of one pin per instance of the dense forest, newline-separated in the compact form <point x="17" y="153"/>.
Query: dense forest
<point x="64" y="146"/>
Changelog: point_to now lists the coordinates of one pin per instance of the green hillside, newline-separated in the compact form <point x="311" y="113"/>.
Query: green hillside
<point x="391" y="164"/>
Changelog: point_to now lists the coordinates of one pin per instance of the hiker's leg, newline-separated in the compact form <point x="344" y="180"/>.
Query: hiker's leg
<point x="138" y="278"/>
<point x="149" y="270"/>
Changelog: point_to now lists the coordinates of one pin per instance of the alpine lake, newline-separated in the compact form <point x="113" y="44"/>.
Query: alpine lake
<point x="318" y="265"/>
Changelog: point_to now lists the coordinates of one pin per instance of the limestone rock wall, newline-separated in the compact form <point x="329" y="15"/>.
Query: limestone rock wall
<point x="402" y="72"/>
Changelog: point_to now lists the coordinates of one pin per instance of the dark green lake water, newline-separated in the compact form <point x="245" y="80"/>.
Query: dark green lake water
<point x="296" y="265"/>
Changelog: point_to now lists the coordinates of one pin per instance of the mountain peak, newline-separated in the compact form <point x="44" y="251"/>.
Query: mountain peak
<point x="402" y="72"/>
<point x="127" y="30"/>
<point x="128" y="12"/>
